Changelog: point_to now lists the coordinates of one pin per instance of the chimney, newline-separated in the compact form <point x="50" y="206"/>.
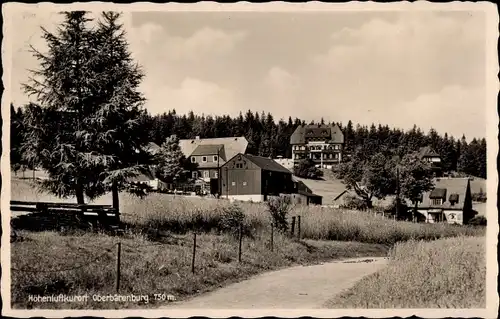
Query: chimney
<point x="197" y="138"/>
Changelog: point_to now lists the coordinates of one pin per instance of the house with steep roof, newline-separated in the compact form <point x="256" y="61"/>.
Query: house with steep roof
<point x="248" y="177"/>
<point x="450" y="201"/>
<point x="321" y="143"/>
<point x="302" y="194"/>
<point x="211" y="153"/>
<point x="431" y="156"/>
<point x="254" y="178"/>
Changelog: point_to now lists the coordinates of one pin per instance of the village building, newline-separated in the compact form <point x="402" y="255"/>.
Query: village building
<point x="209" y="154"/>
<point x="450" y="201"/>
<point x="428" y="155"/>
<point x="321" y="143"/>
<point x="248" y="177"/>
<point x="303" y="195"/>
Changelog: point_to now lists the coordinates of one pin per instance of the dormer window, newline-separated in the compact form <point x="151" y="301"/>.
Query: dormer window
<point x="216" y="158"/>
<point x="193" y="159"/>
<point x="204" y="159"/>
<point x="453" y="199"/>
<point x="437" y="201"/>
<point x="438" y="196"/>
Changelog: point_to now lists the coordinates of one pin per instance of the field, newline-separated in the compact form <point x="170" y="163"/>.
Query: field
<point x="183" y="214"/>
<point x="448" y="273"/>
<point x="158" y="241"/>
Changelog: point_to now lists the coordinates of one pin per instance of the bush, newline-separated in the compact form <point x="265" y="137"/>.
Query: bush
<point x="404" y="211"/>
<point x="479" y="197"/>
<point x="355" y="203"/>
<point x="478" y="221"/>
<point x="279" y="207"/>
<point x="307" y="169"/>
<point x="232" y="218"/>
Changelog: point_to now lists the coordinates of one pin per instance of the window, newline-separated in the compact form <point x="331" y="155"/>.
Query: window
<point x="233" y="183"/>
<point x="437" y="201"/>
<point x="216" y="158"/>
<point x="193" y="159"/>
<point x="206" y="174"/>
<point x="244" y="183"/>
<point x="204" y="159"/>
<point x="195" y="174"/>
<point x="216" y="174"/>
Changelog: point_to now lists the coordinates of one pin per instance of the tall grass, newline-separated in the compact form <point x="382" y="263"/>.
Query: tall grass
<point x="448" y="273"/>
<point x="148" y="268"/>
<point x="181" y="214"/>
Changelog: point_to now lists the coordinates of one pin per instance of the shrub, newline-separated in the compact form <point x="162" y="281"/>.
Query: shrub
<point x="279" y="207"/>
<point x="479" y="197"/>
<point x="404" y="212"/>
<point x="232" y="218"/>
<point x="354" y="202"/>
<point x="478" y="221"/>
<point x="307" y="169"/>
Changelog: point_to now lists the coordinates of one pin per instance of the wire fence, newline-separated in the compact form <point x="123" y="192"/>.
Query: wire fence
<point x="294" y="232"/>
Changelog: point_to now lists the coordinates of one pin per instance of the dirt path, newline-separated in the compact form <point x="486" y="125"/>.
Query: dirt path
<point x="296" y="287"/>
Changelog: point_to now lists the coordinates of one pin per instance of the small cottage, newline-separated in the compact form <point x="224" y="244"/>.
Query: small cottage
<point x="450" y="201"/>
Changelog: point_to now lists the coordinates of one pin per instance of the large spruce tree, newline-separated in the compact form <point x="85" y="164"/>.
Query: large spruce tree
<point x="84" y="129"/>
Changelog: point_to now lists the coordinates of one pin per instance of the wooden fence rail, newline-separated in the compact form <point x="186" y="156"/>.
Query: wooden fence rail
<point x="105" y="213"/>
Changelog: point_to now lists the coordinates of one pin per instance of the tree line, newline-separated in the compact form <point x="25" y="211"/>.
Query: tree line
<point x="89" y="131"/>
<point x="271" y="138"/>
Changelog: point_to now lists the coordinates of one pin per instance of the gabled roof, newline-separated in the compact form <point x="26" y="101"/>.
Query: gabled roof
<point x="427" y="151"/>
<point x="232" y="145"/>
<point x="331" y="133"/>
<point x="208" y="149"/>
<point x="446" y="188"/>
<point x="301" y="186"/>
<point x="267" y="164"/>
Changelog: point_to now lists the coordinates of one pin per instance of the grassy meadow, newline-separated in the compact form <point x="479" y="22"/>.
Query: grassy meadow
<point x="154" y="267"/>
<point x="158" y="241"/>
<point x="448" y="273"/>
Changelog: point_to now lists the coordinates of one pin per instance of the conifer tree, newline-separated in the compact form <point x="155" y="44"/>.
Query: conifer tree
<point x="84" y="129"/>
<point x="170" y="161"/>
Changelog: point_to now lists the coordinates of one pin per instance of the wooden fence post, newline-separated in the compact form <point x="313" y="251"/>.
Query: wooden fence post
<point x="272" y="236"/>
<point x="194" y="252"/>
<point x="293" y="226"/>
<point x="298" y="227"/>
<point x="118" y="256"/>
<point x="239" y="248"/>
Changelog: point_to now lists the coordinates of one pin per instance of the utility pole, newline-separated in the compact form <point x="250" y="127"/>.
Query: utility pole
<point x="219" y="190"/>
<point x="227" y="183"/>
<point x="397" y="191"/>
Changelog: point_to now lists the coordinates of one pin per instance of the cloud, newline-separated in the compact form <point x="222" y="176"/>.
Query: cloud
<point x="418" y="52"/>
<point x="192" y="94"/>
<point x="203" y="44"/>
<point x="280" y="91"/>
<point x="454" y="109"/>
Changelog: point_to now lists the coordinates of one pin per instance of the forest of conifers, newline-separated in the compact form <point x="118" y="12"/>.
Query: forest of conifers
<point x="270" y="137"/>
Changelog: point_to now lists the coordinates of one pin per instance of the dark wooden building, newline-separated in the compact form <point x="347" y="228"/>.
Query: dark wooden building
<point x="249" y="177"/>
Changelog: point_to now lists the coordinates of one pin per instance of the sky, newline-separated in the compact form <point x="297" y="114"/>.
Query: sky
<point x="397" y="68"/>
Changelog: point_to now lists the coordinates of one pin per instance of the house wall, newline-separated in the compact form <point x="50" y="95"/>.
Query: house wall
<point x="452" y="216"/>
<point x="209" y="159"/>
<point x="240" y="180"/>
<point x="275" y="183"/>
<point x="212" y="173"/>
<point x="322" y="153"/>
<point x="246" y="198"/>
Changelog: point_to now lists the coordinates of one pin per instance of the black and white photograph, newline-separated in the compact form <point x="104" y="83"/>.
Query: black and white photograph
<point x="250" y="159"/>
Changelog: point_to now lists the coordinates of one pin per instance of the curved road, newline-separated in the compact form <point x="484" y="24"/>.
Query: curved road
<point x="296" y="287"/>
